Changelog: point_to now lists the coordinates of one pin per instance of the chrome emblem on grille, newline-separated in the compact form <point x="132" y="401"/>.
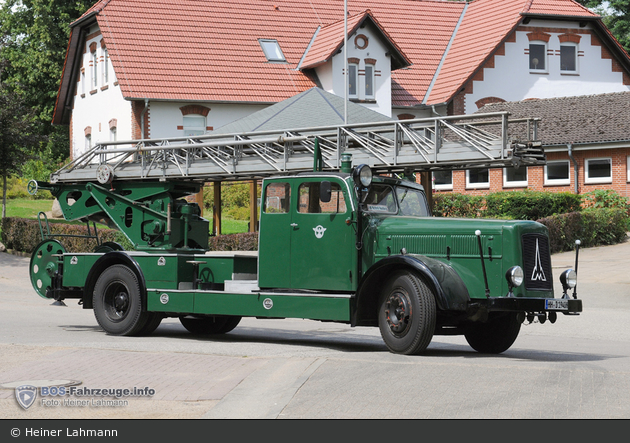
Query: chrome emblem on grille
<point x="538" y="273"/>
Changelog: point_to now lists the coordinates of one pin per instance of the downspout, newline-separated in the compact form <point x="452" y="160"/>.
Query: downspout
<point x="146" y="107"/>
<point x="576" y="168"/>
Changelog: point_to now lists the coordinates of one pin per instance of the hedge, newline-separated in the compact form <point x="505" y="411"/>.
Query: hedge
<point x="234" y="242"/>
<point x="24" y="235"/>
<point x="515" y="205"/>
<point x="21" y="234"/>
<point x="593" y="227"/>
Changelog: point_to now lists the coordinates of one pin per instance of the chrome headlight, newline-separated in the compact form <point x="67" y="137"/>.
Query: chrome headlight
<point x="514" y="276"/>
<point x="362" y="176"/>
<point x="568" y="279"/>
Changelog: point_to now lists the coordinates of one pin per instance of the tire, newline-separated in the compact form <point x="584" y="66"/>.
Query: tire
<point x="117" y="302"/>
<point x="154" y="320"/>
<point x="215" y="324"/>
<point x="407" y="314"/>
<point x="495" y="335"/>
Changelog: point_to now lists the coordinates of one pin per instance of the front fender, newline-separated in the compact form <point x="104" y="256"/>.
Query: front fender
<point x="449" y="289"/>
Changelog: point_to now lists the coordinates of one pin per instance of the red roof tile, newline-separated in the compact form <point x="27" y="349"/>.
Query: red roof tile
<point x="201" y="49"/>
<point x="208" y="50"/>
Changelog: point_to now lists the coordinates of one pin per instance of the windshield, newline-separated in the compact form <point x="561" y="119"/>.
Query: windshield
<point x="411" y="202"/>
<point x="401" y="200"/>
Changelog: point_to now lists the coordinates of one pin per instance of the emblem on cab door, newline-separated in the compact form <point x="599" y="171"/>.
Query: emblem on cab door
<point x="319" y="231"/>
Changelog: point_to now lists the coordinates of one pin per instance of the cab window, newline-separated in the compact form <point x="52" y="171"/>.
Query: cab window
<point x="277" y="198"/>
<point x="310" y="202"/>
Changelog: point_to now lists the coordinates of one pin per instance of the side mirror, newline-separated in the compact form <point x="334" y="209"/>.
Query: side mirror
<point x="325" y="192"/>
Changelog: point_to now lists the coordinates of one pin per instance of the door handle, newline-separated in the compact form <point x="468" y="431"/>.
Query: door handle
<point x="294" y="225"/>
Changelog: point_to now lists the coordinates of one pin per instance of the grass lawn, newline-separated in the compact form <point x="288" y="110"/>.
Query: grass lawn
<point x="26" y="208"/>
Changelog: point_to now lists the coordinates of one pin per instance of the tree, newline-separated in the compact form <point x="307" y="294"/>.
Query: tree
<point x="616" y="17"/>
<point x="17" y="133"/>
<point x="37" y="33"/>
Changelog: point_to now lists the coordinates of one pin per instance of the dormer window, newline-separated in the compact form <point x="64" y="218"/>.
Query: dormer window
<point x="272" y="50"/>
<point x="568" y="58"/>
<point x="538" y="57"/>
<point x="369" y="80"/>
<point x="353" y="80"/>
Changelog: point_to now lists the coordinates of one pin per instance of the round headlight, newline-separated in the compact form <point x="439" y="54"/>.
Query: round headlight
<point x="362" y="176"/>
<point x="514" y="276"/>
<point x="568" y="279"/>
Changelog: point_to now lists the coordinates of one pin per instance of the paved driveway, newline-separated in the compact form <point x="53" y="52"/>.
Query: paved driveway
<point x="578" y="367"/>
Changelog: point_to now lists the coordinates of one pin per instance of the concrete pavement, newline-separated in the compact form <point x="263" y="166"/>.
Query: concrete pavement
<point x="576" y="368"/>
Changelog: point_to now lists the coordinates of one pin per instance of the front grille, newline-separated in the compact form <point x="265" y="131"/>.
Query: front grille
<point x="537" y="262"/>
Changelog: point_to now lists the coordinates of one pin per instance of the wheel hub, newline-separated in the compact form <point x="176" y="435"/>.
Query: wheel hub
<point x="398" y="312"/>
<point x="121" y="301"/>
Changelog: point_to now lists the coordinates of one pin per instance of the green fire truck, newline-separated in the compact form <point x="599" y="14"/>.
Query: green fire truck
<point x="339" y="244"/>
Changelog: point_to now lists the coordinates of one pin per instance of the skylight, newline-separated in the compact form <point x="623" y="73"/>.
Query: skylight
<point x="272" y="50"/>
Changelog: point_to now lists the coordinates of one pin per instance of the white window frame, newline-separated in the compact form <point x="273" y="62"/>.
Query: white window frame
<point x="594" y="180"/>
<point x="443" y="187"/>
<point x="575" y="47"/>
<point x="271" y="49"/>
<point x="94" y="79"/>
<point x="105" y="69"/>
<point x="354" y="78"/>
<point x="515" y="183"/>
<point x="546" y="68"/>
<point x="370" y="79"/>
<point x="199" y="130"/>
<point x="479" y="185"/>
<point x="628" y="168"/>
<point x="557" y="182"/>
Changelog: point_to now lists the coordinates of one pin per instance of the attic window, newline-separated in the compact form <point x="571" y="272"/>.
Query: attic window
<point x="272" y="50"/>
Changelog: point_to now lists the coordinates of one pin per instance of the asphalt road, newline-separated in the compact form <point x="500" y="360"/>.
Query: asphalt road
<point x="577" y="368"/>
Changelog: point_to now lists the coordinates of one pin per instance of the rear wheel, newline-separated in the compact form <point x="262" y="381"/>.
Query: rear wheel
<point x="215" y="324"/>
<point x="406" y="314"/>
<point x="495" y="335"/>
<point x="117" y="301"/>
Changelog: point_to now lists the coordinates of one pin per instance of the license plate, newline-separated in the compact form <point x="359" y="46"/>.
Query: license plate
<point x="555" y="304"/>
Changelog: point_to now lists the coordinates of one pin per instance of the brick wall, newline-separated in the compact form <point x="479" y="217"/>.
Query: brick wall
<point x="535" y="175"/>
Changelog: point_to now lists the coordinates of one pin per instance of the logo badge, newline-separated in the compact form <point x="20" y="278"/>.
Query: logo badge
<point x="74" y="260"/>
<point x="319" y="231"/>
<point x="26" y="395"/>
<point x="267" y="303"/>
<point x="161" y="261"/>
<point x="538" y="273"/>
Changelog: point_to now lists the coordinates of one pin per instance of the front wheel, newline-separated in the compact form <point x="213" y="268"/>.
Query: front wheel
<point x="215" y="324"/>
<point x="406" y="314"/>
<point x="495" y="335"/>
<point x="117" y="302"/>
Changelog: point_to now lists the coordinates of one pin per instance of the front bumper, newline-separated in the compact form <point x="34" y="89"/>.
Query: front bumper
<point x="522" y="304"/>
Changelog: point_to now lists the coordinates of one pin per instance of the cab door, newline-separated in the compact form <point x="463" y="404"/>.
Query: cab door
<point x="323" y="253"/>
<point x="274" y="246"/>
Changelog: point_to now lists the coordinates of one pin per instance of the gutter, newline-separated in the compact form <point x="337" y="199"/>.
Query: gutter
<point x="146" y="107"/>
<point x="576" y="168"/>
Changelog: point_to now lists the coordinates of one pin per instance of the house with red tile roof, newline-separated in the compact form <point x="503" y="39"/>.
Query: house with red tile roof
<point x="148" y="69"/>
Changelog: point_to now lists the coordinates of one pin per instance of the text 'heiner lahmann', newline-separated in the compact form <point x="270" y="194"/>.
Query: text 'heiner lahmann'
<point x="31" y="432"/>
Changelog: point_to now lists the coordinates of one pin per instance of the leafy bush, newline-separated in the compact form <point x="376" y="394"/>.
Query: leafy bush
<point x="24" y="235"/>
<point x="604" y="226"/>
<point x="457" y="205"/>
<point x="606" y="198"/>
<point x="530" y="205"/>
<point x="247" y="241"/>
